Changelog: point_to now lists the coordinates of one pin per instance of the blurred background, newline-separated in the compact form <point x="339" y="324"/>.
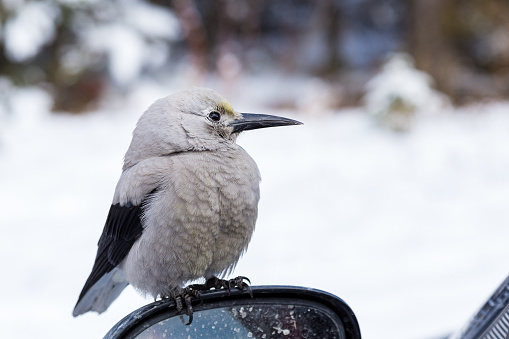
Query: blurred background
<point x="80" y="51"/>
<point x="393" y="195"/>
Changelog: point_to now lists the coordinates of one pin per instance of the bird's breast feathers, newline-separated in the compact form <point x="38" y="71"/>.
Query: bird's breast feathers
<point x="198" y="222"/>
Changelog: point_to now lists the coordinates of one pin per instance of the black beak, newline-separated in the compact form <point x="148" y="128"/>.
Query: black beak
<point x="254" y="121"/>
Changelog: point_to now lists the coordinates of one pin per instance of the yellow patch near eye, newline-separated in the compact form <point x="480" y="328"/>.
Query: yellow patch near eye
<point x="225" y="107"/>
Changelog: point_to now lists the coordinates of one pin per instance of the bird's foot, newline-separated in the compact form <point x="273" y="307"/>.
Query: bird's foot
<point x="185" y="298"/>
<point x="241" y="283"/>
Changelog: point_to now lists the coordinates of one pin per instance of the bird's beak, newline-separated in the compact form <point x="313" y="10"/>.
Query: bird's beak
<point x="254" y="121"/>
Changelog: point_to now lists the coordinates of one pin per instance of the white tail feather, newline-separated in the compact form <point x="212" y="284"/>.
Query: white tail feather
<point x="103" y="293"/>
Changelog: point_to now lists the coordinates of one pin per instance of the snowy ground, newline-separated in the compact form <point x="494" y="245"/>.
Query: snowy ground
<point x="411" y="230"/>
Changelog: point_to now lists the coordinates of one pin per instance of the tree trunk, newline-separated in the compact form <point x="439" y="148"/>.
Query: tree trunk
<point x="429" y="44"/>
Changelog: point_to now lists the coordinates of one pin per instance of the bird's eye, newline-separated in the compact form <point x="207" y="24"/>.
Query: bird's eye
<point x="214" y="116"/>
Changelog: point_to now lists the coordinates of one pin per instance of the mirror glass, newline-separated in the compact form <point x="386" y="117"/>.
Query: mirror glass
<point x="252" y="321"/>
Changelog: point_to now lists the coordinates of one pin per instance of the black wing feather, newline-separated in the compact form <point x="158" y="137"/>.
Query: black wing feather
<point x="122" y="228"/>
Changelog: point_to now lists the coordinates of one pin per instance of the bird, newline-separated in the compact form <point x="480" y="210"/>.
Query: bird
<point x="185" y="205"/>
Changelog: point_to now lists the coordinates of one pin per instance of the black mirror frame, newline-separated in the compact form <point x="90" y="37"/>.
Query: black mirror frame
<point x="337" y="305"/>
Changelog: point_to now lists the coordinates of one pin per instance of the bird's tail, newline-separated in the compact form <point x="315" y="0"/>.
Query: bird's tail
<point x="100" y="296"/>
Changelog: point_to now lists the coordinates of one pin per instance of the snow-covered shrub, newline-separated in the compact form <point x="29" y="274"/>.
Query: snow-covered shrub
<point x="399" y="93"/>
<point x="133" y="36"/>
<point x="30" y="27"/>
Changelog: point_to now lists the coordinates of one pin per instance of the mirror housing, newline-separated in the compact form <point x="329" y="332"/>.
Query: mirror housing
<point x="273" y="311"/>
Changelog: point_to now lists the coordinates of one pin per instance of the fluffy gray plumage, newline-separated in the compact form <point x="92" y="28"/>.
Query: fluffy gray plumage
<point x="185" y="206"/>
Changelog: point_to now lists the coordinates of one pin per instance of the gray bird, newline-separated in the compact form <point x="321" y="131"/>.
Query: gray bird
<point x="186" y="203"/>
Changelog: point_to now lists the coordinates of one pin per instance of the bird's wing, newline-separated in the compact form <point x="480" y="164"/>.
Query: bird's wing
<point x="123" y="227"/>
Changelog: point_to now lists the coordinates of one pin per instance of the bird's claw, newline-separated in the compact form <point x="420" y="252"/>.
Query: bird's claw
<point x="242" y="283"/>
<point x="186" y="296"/>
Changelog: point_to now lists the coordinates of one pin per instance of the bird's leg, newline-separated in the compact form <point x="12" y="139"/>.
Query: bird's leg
<point x="189" y="309"/>
<point x="186" y="295"/>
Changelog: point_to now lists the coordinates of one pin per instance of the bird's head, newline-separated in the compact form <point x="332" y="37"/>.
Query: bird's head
<point x="207" y="115"/>
<point x="196" y="119"/>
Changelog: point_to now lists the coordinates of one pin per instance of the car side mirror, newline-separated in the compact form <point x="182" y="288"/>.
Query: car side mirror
<point x="271" y="312"/>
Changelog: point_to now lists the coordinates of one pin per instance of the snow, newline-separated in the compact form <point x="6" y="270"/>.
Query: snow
<point x="124" y="48"/>
<point x="152" y="20"/>
<point x="409" y="229"/>
<point x="30" y="29"/>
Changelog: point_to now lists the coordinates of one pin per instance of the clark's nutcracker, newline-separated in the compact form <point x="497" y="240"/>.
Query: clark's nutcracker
<point x="186" y="203"/>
